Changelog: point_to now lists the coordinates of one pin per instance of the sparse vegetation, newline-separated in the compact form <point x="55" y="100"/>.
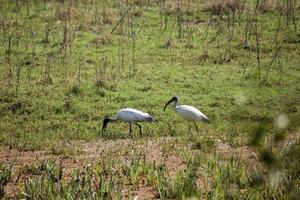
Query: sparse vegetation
<point x="65" y="65"/>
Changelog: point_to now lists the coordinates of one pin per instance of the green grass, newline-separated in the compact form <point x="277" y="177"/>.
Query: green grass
<point x="54" y="102"/>
<point x="107" y="179"/>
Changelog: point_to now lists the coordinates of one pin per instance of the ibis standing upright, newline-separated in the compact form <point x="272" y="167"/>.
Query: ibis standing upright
<point x="130" y="116"/>
<point x="189" y="113"/>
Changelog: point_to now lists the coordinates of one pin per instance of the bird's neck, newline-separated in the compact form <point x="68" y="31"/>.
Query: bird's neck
<point x="175" y="105"/>
<point x="113" y="119"/>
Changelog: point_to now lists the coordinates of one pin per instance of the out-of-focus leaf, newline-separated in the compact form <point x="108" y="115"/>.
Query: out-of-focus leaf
<point x="279" y="136"/>
<point x="257" y="136"/>
<point x="268" y="157"/>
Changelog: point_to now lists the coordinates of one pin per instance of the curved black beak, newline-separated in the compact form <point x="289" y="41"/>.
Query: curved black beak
<point x="168" y="103"/>
<point x="105" y="122"/>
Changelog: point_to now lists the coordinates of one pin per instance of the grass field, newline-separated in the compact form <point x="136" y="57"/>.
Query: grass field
<point x="65" y="65"/>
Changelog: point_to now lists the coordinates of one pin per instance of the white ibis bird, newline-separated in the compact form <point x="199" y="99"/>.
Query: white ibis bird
<point x="188" y="113"/>
<point x="130" y="116"/>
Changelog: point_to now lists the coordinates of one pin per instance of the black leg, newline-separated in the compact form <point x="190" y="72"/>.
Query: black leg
<point x="196" y="127"/>
<point x="139" y="127"/>
<point x="189" y="126"/>
<point x="130" y="130"/>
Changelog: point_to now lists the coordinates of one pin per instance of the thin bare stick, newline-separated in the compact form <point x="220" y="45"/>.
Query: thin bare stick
<point x="121" y="19"/>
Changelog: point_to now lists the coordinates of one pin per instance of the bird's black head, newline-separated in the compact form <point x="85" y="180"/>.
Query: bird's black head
<point x="174" y="98"/>
<point x="106" y="120"/>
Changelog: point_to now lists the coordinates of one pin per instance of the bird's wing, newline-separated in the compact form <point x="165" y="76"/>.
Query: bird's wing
<point x="191" y="113"/>
<point x="132" y="115"/>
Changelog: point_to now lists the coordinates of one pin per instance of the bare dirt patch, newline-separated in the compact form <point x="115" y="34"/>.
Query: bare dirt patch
<point x="84" y="153"/>
<point x="140" y="192"/>
<point x="245" y="153"/>
<point x="89" y="153"/>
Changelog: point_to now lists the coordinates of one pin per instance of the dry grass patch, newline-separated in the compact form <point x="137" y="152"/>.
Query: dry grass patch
<point x="223" y="6"/>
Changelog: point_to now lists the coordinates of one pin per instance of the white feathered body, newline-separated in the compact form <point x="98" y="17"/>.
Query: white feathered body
<point x="190" y="113"/>
<point x="131" y="115"/>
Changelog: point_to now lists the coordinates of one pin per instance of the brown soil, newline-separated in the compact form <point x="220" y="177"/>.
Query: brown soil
<point x="84" y="153"/>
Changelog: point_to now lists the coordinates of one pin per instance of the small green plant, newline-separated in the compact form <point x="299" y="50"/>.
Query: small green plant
<point x="5" y="176"/>
<point x="82" y="184"/>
